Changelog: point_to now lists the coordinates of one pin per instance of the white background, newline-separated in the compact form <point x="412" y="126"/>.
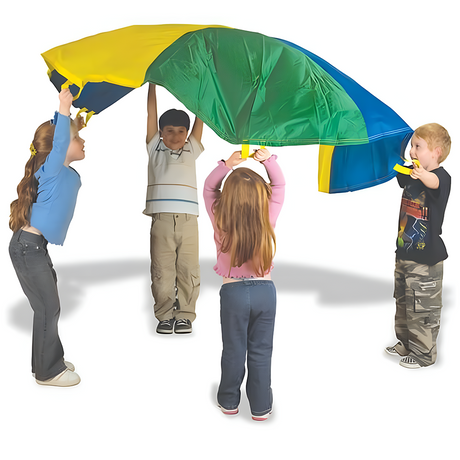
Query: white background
<point x="142" y="395"/>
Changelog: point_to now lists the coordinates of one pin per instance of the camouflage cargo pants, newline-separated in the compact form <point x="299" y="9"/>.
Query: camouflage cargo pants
<point x="418" y="295"/>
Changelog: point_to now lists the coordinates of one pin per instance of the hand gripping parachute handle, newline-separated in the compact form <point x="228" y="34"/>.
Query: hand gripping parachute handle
<point x="404" y="169"/>
<point x="66" y="85"/>
<point x="245" y="150"/>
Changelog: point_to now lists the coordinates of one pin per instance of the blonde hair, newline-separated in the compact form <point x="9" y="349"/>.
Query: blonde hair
<point x="242" y="219"/>
<point x="435" y="136"/>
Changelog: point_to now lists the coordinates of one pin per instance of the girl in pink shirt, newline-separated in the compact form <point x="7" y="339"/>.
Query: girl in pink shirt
<point x="243" y="216"/>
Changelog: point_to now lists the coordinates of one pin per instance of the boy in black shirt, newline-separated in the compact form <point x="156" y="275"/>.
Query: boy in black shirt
<point x="420" y="250"/>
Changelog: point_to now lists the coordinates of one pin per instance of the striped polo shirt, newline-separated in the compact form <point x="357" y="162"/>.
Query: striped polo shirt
<point x="172" y="177"/>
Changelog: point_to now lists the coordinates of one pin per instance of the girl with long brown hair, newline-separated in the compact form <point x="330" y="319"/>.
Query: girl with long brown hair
<point x="42" y="213"/>
<point x="244" y="215"/>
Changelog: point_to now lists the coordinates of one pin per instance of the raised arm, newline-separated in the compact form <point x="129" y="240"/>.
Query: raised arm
<point x="55" y="160"/>
<point x="197" y="130"/>
<point x="212" y="184"/>
<point x="65" y="101"/>
<point x="152" y="113"/>
<point x="277" y="182"/>
<point x="272" y="167"/>
<point x="211" y="189"/>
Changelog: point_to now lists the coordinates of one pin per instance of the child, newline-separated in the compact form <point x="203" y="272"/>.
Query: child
<point x="420" y="250"/>
<point x="243" y="217"/>
<point x="42" y="213"/>
<point x="172" y="201"/>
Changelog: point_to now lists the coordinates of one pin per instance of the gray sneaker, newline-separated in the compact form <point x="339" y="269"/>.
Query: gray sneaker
<point x="183" y="326"/>
<point x="165" y="326"/>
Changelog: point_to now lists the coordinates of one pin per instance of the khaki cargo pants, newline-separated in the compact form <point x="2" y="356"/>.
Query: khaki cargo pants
<point x="174" y="264"/>
<point x="418" y="294"/>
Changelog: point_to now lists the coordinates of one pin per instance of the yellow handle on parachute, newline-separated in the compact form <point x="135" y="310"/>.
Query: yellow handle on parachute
<point x="68" y="83"/>
<point x="65" y="85"/>
<point x="88" y="115"/>
<point x="404" y="169"/>
<point x="245" y="151"/>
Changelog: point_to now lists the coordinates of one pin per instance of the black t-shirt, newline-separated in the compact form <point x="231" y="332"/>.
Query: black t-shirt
<point x="420" y="219"/>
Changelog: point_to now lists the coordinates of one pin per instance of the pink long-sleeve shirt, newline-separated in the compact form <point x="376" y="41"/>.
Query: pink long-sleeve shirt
<point x="212" y="192"/>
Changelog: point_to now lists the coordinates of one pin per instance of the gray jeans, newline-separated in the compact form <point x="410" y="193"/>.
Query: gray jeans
<point x="247" y="317"/>
<point x="38" y="280"/>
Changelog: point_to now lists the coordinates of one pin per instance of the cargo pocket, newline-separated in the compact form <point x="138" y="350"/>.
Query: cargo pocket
<point x="428" y="296"/>
<point x="195" y="284"/>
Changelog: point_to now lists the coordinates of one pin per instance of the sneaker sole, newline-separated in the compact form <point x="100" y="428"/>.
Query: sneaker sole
<point x="56" y="382"/>
<point x="229" y="411"/>
<point x="182" y="328"/>
<point x="164" y="331"/>
<point x="186" y="331"/>
<point x="410" y="366"/>
<point x="261" y="418"/>
<point x="66" y="385"/>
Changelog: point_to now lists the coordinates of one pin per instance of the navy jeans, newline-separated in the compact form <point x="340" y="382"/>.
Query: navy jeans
<point x="38" y="280"/>
<point x="247" y="312"/>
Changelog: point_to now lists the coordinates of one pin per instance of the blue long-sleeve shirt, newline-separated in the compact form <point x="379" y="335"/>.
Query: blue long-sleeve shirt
<point x="58" y="187"/>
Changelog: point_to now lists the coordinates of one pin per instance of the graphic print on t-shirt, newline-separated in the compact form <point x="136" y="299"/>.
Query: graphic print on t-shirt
<point x="413" y="220"/>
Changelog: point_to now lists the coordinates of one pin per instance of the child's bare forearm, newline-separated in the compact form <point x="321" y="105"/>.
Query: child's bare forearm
<point x="65" y="102"/>
<point x="428" y="178"/>
<point x="431" y="180"/>
<point x="197" y="130"/>
<point x="152" y="116"/>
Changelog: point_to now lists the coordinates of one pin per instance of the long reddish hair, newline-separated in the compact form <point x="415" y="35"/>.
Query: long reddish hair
<point x="242" y="219"/>
<point x="27" y="188"/>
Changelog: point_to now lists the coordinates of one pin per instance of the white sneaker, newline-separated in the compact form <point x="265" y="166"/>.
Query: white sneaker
<point x="64" y="379"/>
<point x="409" y="363"/>
<point x="392" y="351"/>
<point x="68" y="364"/>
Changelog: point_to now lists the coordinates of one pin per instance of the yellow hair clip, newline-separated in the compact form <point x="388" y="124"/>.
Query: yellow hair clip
<point x="33" y="150"/>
